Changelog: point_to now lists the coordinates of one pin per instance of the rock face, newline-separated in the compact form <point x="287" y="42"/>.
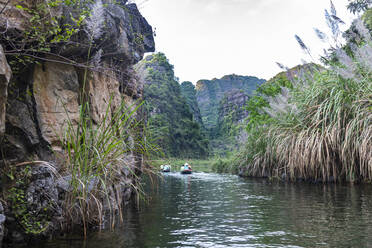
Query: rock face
<point x="5" y="74"/>
<point x="56" y="93"/>
<point x="233" y="103"/>
<point x="231" y="117"/>
<point x="44" y="96"/>
<point x="210" y="93"/>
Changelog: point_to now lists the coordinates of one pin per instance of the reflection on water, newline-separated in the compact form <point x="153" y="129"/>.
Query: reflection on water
<point x="210" y="210"/>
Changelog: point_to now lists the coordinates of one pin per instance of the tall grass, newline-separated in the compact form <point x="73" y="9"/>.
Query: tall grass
<point x="326" y="131"/>
<point x="99" y="159"/>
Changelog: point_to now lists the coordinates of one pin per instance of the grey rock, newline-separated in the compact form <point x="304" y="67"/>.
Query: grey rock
<point x="17" y="237"/>
<point x="42" y="193"/>
<point x="20" y="117"/>
<point x="131" y="32"/>
<point x="63" y="183"/>
<point x="126" y="34"/>
<point x="2" y="219"/>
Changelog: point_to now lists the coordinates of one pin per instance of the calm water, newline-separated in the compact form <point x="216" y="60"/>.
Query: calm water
<point x="210" y="210"/>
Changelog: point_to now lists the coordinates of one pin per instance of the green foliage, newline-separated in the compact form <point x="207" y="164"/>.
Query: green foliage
<point x="258" y="102"/>
<point x="189" y="93"/>
<point x="229" y="164"/>
<point x="31" y="222"/>
<point x="170" y="122"/>
<point x="367" y="18"/>
<point x="44" y="31"/>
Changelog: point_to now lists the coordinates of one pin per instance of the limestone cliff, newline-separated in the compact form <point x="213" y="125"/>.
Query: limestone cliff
<point x="232" y="107"/>
<point x="170" y="121"/>
<point x="211" y="92"/>
<point x="189" y="92"/>
<point x="49" y="84"/>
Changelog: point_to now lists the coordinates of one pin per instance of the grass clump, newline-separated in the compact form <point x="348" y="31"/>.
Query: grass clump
<point x="320" y="129"/>
<point x="100" y="160"/>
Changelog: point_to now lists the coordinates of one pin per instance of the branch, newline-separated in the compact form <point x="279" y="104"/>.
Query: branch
<point x="66" y="62"/>
<point x="1" y="11"/>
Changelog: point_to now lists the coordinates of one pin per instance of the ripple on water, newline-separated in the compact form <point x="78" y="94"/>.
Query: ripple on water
<point x="210" y="210"/>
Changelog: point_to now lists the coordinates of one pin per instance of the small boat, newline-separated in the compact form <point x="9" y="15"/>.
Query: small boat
<point x="165" y="168"/>
<point x="189" y="171"/>
<point x="186" y="169"/>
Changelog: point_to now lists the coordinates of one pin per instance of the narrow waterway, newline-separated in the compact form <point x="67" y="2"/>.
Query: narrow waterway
<point x="211" y="210"/>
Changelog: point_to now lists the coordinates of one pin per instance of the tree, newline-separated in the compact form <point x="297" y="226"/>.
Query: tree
<point x="357" y="6"/>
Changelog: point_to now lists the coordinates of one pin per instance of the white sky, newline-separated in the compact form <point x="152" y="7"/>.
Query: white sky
<point x="207" y="39"/>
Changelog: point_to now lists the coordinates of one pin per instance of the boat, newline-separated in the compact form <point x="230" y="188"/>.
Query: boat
<point x="186" y="169"/>
<point x="165" y="168"/>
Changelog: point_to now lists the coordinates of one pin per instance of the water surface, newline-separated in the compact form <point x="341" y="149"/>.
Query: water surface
<point x="211" y="210"/>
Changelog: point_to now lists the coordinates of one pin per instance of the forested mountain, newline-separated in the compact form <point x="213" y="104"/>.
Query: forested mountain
<point x="171" y="124"/>
<point x="209" y="93"/>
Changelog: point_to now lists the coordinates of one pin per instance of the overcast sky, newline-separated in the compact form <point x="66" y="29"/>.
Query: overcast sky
<point x="207" y="39"/>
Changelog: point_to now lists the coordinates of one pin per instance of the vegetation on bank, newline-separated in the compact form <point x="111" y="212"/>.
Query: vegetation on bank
<point x="318" y="125"/>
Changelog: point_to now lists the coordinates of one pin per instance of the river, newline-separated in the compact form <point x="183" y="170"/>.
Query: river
<point x="212" y="210"/>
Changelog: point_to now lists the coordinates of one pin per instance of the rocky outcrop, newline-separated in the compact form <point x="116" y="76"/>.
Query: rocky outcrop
<point x="210" y="93"/>
<point x="44" y="96"/>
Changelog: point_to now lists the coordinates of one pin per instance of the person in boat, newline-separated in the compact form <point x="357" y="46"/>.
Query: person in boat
<point x="187" y="166"/>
